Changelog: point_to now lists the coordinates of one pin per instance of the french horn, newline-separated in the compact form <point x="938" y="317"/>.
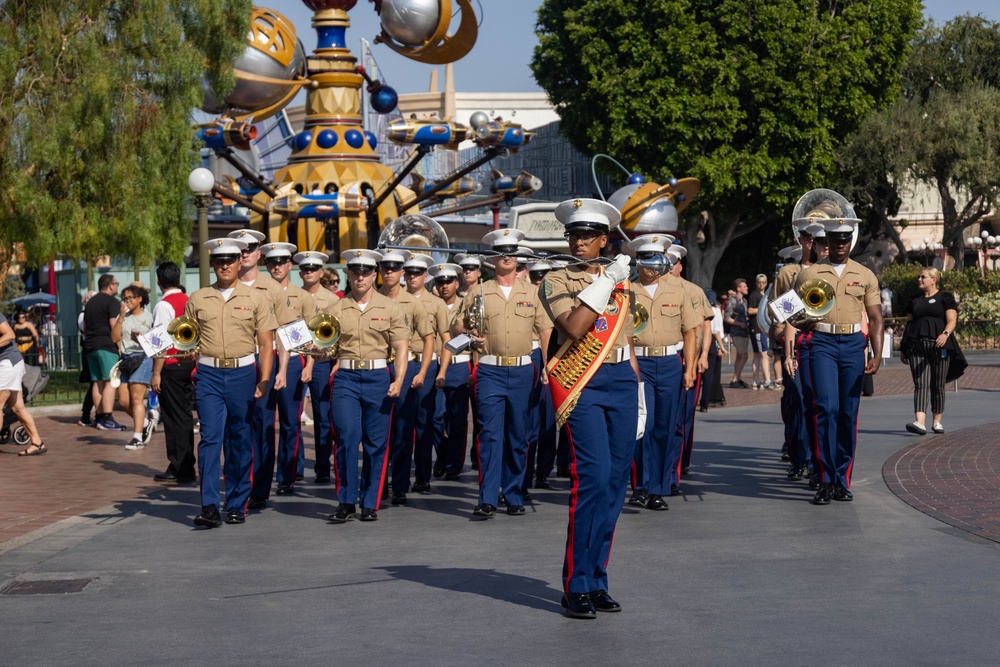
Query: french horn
<point x="819" y="298"/>
<point x="641" y="320"/>
<point x="184" y="332"/>
<point x="324" y="329"/>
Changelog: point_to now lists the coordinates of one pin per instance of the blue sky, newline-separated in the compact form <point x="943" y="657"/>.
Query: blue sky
<point x="499" y="61"/>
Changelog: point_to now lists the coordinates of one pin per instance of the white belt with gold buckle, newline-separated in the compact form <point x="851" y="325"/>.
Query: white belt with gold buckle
<point x="659" y="350"/>
<point x="839" y="329"/>
<point x="238" y="362"/>
<point x="493" y="360"/>
<point x="363" y="364"/>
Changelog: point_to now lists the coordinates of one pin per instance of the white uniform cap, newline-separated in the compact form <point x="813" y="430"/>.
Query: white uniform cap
<point x="360" y="257"/>
<point x="523" y="253"/>
<point x="248" y="236"/>
<point x="463" y="259"/>
<point x="841" y="225"/>
<point x="651" y="243"/>
<point x="540" y="266"/>
<point x="802" y="226"/>
<point x="677" y="253"/>
<point x="396" y="255"/>
<point x="587" y="214"/>
<point x="796" y="255"/>
<point x="226" y="246"/>
<point x="504" y="238"/>
<point x="311" y="258"/>
<point x="786" y="252"/>
<point x="442" y="270"/>
<point x="816" y="230"/>
<point x="419" y="261"/>
<point x="272" y="250"/>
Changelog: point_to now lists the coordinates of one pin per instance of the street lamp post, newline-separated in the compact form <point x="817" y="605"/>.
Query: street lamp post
<point x="201" y="181"/>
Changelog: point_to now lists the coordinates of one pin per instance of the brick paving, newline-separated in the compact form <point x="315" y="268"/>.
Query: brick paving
<point x="952" y="478"/>
<point x="86" y="469"/>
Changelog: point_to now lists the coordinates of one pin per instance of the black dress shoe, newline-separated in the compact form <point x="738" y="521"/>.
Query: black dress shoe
<point x="165" y="477"/>
<point x="368" y="514"/>
<point x="562" y="471"/>
<point x="656" y="503"/>
<point x="579" y="605"/>
<point x="813" y="482"/>
<point x="343" y="513"/>
<point x="702" y="408"/>
<point x="484" y="511"/>
<point x="236" y="517"/>
<point x="451" y="476"/>
<point x="639" y="497"/>
<point x="300" y="478"/>
<point x="784" y="453"/>
<point x="322" y="479"/>
<point x="842" y="494"/>
<point x="209" y="517"/>
<point x="823" y="495"/>
<point x="421" y="487"/>
<point x="516" y="510"/>
<point x="438" y="471"/>
<point x="501" y="499"/>
<point x="399" y="499"/>
<point x="285" y="490"/>
<point x="256" y="503"/>
<point x="542" y="483"/>
<point x="604" y="602"/>
<point x="685" y="469"/>
<point x="525" y="494"/>
<point x="675" y="490"/>
<point x="794" y="472"/>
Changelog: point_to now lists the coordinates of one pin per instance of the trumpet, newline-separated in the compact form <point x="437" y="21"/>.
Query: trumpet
<point x="819" y="298"/>
<point x="325" y="331"/>
<point x="641" y="320"/>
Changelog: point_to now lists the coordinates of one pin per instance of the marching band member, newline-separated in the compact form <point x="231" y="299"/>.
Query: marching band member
<point x="665" y="352"/>
<point x="703" y="343"/>
<point x="796" y="444"/>
<point x="835" y="360"/>
<point x="310" y="265"/>
<point x="232" y="319"/>
<point x="363" y="391"/>
<point x="288" y="399"/>
<point x="472" y="271"/>
<point x="540" y="417"/>
<point x="453" y="380"/>
<point x="504" y="373"/>
<point x="415" y="367"/>
<point x="594" y="383"/>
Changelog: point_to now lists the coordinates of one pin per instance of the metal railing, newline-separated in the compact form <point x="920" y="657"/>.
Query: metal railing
<point x="60" y="358"/>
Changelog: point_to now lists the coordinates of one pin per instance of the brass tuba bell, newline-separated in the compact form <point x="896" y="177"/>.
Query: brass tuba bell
<point x="416" y="233"/>
<point x="184" y="332"/>
<point x="641" y="321"/>
<point x="819" y="298"/>
<point x="324" y="329"/>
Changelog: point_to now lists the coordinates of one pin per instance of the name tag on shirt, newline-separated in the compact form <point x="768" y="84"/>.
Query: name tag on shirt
<point x="155" y="341"/>
<point x="294" y="335"/>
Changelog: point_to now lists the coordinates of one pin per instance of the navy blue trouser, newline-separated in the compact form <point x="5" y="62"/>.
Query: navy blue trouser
<point x="502" y="395"/>
<point x="404" y="427"/>
<point x="836" y="370"/>
<point x="427" y="426"/>
<point x="456" y="418"/>
<point x="361" y="414"/>
<point x="661" y="454"/>
<point x="601" y="434"/>
<point x="533" y="422"/>
<point x="319" y="396"/>
<point x="289" y="419"/>
<point x="793" y="416"/>
<point x="264" y="411"/>
<point x="689" y="401"/>
<point x="225" y="407"/>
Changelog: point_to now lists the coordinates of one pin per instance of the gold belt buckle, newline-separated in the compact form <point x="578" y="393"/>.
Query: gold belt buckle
<point x="507" y="361"/>
<point x="658" y="351"/>
<point x="362" y="365"/>
<point x="842" y="328"/>
<point x="226" y="363"/>
<point x="415" y="356"/>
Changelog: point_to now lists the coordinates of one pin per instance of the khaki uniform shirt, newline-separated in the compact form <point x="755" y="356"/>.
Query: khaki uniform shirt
<point x="855" y="289"/>
<point x="438" y="316"/>
<point x="415" y="316"/>
<point x="671" y="313"/>
<point x="559" y="290"/>
<point x="270" y="287"/>
<point x="785" y="279"/>
<point x="701" y="306"/>
<point x="369" y="334"/>
<point x="509" y="322"/>
<point x="324" y="299"/>
<point x="229" y="328"/>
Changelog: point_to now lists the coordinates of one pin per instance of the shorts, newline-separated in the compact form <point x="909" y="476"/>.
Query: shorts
<point x="741" y="343"/>
<point x="11" y="375"/>
<point x="759" y="342"/>
<point x="100" y="362"/>
<point x="141" y="375"/>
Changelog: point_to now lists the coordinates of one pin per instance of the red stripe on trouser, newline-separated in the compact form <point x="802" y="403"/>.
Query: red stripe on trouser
<point x="479" y="467"/>
<point x="635" y="484"/>
<point x="814" y="436"/>
<point x="334" y="444"/>
<point x="385" y="456"/>
<point x="574" y="490"/>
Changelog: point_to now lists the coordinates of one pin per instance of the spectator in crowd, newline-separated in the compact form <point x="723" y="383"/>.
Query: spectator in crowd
<point x="711" y="379"/>
<point x="760" y="363"/>
<point x="928" y="346"/>
<point x="98" y="319"/>
<point x="739" y="332"/>
<point x="84" y="377"/>
<point x="331" y="281"/>
<point x="26" y="337"/>
<point x="135" y="368"/>
<point x="11" y="379"/>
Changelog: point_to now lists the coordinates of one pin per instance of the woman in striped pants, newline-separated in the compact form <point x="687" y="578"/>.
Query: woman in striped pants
<point x="927" y="348"/>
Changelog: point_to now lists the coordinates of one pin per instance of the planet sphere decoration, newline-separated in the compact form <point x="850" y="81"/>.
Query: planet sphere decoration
<point x="648" y="207"/>
<point x="334" y="191"/>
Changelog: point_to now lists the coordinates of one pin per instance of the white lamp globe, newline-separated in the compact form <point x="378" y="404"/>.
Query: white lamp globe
<point x="201" y="181"/>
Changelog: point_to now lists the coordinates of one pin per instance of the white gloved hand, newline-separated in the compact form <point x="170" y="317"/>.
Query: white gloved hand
<point x="620" y="270"/>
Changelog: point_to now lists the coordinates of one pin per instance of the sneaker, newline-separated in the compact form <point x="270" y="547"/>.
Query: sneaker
<point x="147" y="430"/>
<point x="756" y="385"/>
<point x="775" y="386"/>
<point x="109" y="424"/>
<point x="154" y="416"/>
<point x="88" y="423"/>
<point x="938" y="428"/>
<point x="918" y="428"/>
<point x="305" y="420"/>
<point x="135" y="444"/>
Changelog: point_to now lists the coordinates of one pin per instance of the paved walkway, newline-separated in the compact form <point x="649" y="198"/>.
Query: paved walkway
<point x="741" y="571"/>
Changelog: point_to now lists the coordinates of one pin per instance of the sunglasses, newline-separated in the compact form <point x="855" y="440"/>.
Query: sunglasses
<point x="277" y="261"/>
<point x="390" y="267"/>
<point x="444" y="280"/>
<point x="249" y="249"/>
<point x="361" y="270"/>
<point x="469" y="269"/>
<point x="645" y="255"/>
<point x="225" y="260"/>
<point x="584" y="235"/>
<point x="415" y="272"/>
<point x="309" y="268"/>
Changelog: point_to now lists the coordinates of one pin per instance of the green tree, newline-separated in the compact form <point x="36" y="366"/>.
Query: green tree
<point x="944" y="132"/>
<point x="96" y="102"/>
<point x="750" y="96"/>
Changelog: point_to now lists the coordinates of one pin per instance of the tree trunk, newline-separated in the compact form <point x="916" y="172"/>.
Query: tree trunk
<point x="951" y="232"/>
<point x="702" y="261"/>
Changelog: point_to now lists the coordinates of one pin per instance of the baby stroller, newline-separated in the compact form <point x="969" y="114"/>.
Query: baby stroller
<point x="32" y="385"/>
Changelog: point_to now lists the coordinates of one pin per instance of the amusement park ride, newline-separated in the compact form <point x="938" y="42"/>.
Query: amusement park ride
<point x="334" y="192"/>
